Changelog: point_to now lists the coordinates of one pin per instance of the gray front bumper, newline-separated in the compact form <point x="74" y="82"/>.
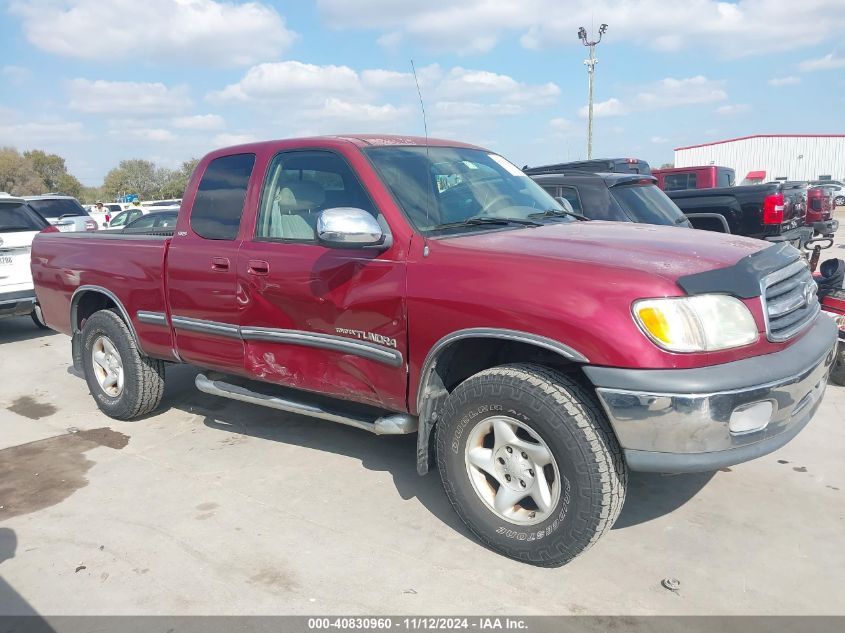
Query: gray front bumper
<point x="677" y="420"/>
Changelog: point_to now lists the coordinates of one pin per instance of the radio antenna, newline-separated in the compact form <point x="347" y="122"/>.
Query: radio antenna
<point x="427" y="156"/>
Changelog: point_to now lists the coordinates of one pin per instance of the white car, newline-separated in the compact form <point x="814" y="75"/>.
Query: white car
<point x="19" y="224"/>
<point x="62" y="211"/>
<point x="104" y="217"/>
<point x="835" y="188"/>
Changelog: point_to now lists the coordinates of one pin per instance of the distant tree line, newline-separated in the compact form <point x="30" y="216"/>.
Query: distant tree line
<point x="35" y="172"/>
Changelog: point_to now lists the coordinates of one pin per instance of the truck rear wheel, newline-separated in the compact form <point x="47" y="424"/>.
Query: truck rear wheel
<point x="125" y="383"/>
<point x="530" y="463"/>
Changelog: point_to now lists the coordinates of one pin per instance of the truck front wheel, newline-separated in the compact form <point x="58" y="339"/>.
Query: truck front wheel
<point x="125" y="383"/>
<point x="530" y="463"/>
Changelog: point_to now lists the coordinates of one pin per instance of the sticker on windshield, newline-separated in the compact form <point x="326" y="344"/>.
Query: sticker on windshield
<point x="509" y="167"/>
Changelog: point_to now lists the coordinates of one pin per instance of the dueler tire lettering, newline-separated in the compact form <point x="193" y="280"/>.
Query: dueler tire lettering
<point x="567" y="417"/>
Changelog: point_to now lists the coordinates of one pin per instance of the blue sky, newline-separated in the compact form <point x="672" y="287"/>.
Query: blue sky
<point x="103" y="80"/>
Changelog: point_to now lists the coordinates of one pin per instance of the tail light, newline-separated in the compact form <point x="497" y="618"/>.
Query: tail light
<point x="90" y="225"/>
<point x="108" y="218"/>
<point x="773" y="207"/>
<point x="50" y="229"/>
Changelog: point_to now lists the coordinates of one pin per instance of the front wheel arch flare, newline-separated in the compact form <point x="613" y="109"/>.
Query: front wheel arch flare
<point x="432" y="391"/>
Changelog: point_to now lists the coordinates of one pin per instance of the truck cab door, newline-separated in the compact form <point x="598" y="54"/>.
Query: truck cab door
<point x="326" y="320"/>
<point x="202" y="267"/>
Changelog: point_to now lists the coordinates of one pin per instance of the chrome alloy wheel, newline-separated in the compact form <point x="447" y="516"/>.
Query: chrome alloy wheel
<point x="512" y="470"/>
<point x="108" y="366"/>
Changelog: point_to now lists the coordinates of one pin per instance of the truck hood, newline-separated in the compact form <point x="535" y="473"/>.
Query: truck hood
<point x="670" y="252"/>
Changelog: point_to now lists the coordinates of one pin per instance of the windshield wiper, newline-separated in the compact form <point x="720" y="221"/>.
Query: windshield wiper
<point x="682" y="219"/>
<point x="557" y="213"/>
<point x="491" y="220"/>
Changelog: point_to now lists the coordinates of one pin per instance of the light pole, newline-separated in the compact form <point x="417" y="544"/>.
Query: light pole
<point x="591" y="69"/>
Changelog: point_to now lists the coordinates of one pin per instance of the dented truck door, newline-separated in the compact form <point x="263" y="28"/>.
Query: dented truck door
<point x="327" y="320"/>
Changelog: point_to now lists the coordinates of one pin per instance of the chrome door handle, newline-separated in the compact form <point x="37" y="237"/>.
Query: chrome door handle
<point x="220" y="264"/>
<point x="258" y="267"/>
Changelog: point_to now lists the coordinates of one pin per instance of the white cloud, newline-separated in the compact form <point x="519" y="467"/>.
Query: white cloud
<point x="199" y="122"/>
<point x="611" y="107"/>
<point x="791" y="80"/>
<point x="337" y="110"/>
<point x="25" y="134"/>
<point x="15" y="74"/>
<point x="831" y="61"/>
<point x="290" y="80"/>
<point x="202" y="32"/>
<point x="145" y="134"/>
<point x="734" y="29"/>
<point x="224" y="139"/>
<point x="462" y="82"/>
<point x="379" y="79"/>
<point x="731" y="109"/>
<point x="670" y="92"/>
<point x="126" y="97"/>
<point x="666" y="93"/>
<point x="659" y="140"/>
<point x="378" y="98"/>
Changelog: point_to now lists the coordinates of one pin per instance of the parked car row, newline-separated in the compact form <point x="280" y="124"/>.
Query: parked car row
<point x="702" y="197"/>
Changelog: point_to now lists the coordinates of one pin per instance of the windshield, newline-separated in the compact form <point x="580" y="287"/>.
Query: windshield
<point x="18" y="218"/>
<point x="648" y="204"/>
<point x="55" y="208"/>
<point x="439" y="186"/>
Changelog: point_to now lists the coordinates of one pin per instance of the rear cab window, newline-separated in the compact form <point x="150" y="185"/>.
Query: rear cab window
<point x="219" y="203"/>
<point x="18" y="218"/>
<point x="54" y="208"/>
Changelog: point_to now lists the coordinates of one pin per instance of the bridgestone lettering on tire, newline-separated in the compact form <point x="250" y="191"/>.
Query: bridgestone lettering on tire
<point x="142" y="380"/>
<point x="537" y="410"/>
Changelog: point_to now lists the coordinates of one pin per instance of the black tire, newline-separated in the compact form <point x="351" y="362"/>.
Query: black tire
<point x="567" y="417"/>
<point x="837" y="372"/>
<point x="36" y="318"/>
<point x="143" y="377"/>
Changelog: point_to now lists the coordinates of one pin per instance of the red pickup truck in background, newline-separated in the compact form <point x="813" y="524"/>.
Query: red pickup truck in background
<point x="405" y="285"/>
<point x="706" y="177"/>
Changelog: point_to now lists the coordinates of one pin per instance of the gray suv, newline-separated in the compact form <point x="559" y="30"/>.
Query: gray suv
<point x="64" y="212"/>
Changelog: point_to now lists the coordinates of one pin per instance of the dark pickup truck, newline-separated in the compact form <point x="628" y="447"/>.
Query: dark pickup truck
<point x="765" y="212"/>
<point x="408" y="285"/>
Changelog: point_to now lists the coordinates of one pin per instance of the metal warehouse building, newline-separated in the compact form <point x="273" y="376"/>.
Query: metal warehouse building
<point x="772" y="156"/>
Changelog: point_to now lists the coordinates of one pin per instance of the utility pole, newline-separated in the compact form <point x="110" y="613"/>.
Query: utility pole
<point x="591" y="69"/>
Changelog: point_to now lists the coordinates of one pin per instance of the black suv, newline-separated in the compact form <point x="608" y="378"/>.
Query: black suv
<point x="615" y="197"/>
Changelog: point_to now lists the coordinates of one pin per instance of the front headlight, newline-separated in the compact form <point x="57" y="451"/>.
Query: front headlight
<point x="704" y="323"/>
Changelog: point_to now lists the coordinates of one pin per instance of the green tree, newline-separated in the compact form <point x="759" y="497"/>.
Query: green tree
<point x="17" y="175"/>
<point x="132" y="176"/>
<point x="177" y="179"/>
<point x="68" y="184"/>
<point x="51" y="168"/>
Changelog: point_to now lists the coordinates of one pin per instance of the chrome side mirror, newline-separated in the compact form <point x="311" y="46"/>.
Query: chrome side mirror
<point x="348" y="227"/>
<point x="566" y="204"/>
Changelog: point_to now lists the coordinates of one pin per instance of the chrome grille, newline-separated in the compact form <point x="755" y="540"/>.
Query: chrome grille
<point x="790" y="302"/>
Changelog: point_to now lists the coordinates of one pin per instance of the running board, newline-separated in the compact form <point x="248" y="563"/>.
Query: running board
<point x="393" y="424"/>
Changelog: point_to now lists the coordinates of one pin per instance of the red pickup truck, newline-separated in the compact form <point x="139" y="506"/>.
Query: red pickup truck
<point x="400" y="285"/>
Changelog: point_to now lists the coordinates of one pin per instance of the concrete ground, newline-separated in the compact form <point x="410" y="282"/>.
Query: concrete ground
<point x="217" y="507"/>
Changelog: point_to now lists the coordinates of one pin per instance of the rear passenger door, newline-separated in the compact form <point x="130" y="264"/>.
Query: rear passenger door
<point x="321" y="319"/>
<point x="202" y="267"/>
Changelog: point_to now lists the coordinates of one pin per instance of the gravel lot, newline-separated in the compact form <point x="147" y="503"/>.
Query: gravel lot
<point x="217" y="507"/>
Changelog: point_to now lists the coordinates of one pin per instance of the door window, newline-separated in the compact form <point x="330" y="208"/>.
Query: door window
<point x="570" y="194"/>
<point x="299" y="185"/>
<point x="219" y="204"/>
